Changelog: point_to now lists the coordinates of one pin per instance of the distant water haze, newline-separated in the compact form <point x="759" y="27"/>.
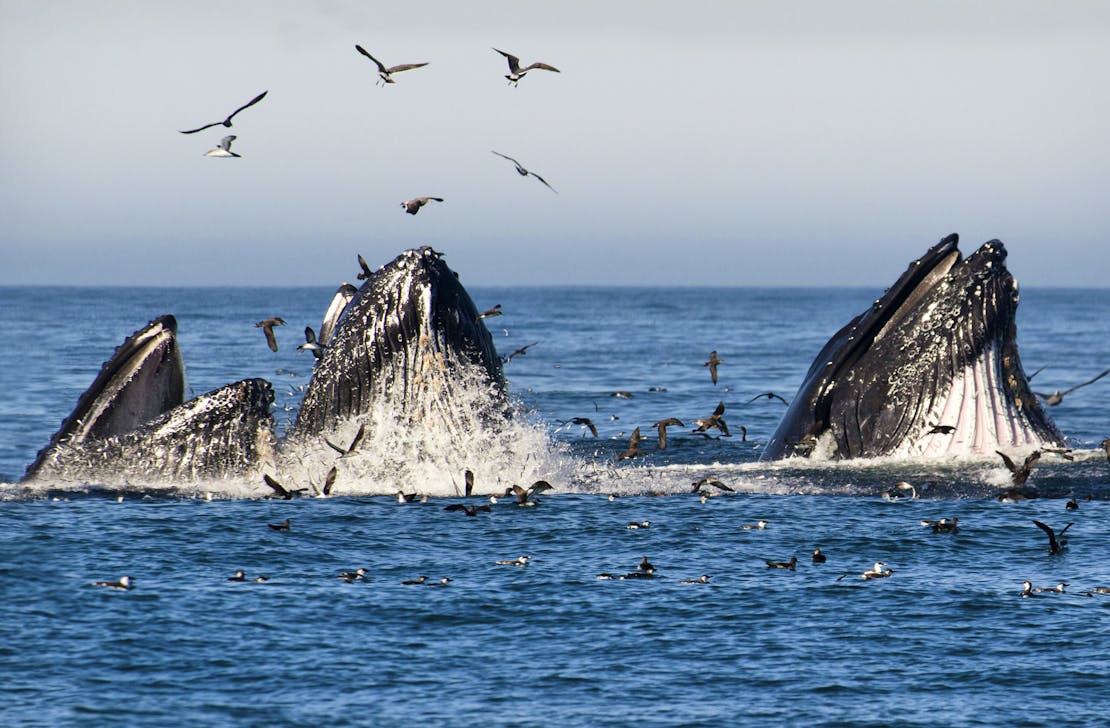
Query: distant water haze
<point x="740" y="144"/>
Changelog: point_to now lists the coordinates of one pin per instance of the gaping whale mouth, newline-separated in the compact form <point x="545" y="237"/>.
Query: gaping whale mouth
<point x="403" y="343"/>
<point x="938" y="349"/>
<point x="143" y="379"/>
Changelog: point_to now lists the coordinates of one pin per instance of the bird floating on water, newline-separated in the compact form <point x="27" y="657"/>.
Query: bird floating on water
<point x="227" y="122"/>
<point x="124" y="583"/>
<point x="1056" y="544"/>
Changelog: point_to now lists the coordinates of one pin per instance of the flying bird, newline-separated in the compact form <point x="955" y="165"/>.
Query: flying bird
<point x="714" y="421"/>
<point x="516" y="72"/>
<point x="585" y="422"/>
<point x="662" y="426"/>
<point x="350" y="449"/>
<point x="469" y="509"/>
<point x="413" y="206"/>
<point x="698" y="485"/>
<point x="712" y="364"/>
<point x="1056" y="544"/>
<point x="224" y="150"/>
<point x="1057" y="397"/>
<point x="366" y="272"/>
<point x="227" y="122"/>
<point x="490" y="312"/>
<point x="521" y="351"/>
<point x="385" y="73"/>
<point x="633" y="446"/>
<point x="267" y="327"/>
<point x="524" y="172"/>
<point x="768" y="395"/>
<point x="278" y="488"/>
<point x="1020" y="474"/>
<point x="311" y="344"/>
<point x="525" y="496"/>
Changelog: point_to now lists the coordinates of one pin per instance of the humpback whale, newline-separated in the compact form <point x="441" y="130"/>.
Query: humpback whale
<point x="406" y="346"/>
<point x="938" y="346"/>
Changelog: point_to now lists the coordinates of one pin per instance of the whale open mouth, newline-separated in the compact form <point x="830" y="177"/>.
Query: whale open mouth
<point x="931" y="368"/>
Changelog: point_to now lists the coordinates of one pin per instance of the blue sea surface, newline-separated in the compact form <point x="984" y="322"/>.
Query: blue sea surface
<point x="947" y="639"/>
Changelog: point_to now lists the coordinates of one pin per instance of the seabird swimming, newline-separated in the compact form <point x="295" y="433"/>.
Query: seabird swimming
<point x="267" y="327"/>
<point x="403" y="497"/>
<point x="524" y="496"/>
<point x="469" y="509"/>
<point x="1057" y="397"/>
<point x="227" y="122"/>
<point x="277" y="487"/>
<point x="124" y="583"/>
<point x="1058" y="589"/>
<point x="818" y="557"/>
<point x="633" y="446"/>
<point x="759" y="526"/>
<point x="386" y="74"/>
<point x="1020" y="474"/>
<point x="712" y="364"/>
<point x="714" y="421"/>
<point x="876" y="572"/>
<point x="703" y="579"/>
<point x="240" y="575"/>
<point x="900" y="490"/>
<point x="524" y="172"/>
<point x="634" y="525"/>
<point x="646" y="565"/>
<point x="783" y="564"/>
<point x="662" y="426"/>
<point x="442" y="582"/>
<point x="413" y="206"/>
<point x="768" y="395"/>
<point x="419" y="580"/>
<point x="352" y="576"/>
<point x="1071" y="505"/>
<point x="1056" y="542"/>
<point x="944" y="525"/>
<point x="519" y="352"/>
<point x="516" y="72"/>
<point x="224" y="149"/>
<point x="1027" y="588"/>
<point x="490" y="312"/>
<point x="260" y="579"/>
<point x="621" y="394"/>
<point x="283" y="526"/>
<point x="521" y="560"/>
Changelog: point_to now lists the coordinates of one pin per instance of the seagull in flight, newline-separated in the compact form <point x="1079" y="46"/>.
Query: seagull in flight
<point x="224" y="150"/>
<point x="516" y="72"/>
<point x="1057" y="397"/>
<point x="413" y="206"/>
<point x="387" y="73"/>
<point x="227" y="122"/>
<point x="524" y="172"/>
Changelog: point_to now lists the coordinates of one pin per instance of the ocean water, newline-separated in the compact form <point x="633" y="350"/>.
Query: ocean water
<point x="946" y="639"/>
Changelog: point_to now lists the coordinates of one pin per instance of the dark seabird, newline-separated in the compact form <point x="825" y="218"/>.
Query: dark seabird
<point x="1057" y="397"/>
<point x="633" y="446"/>
<point x="419" y="580"/>
<point x="711" y="481"/>
<point x="1056" y="542"/>
<point x="900" y="490"/>
<point x="621" y="394"/>
<point x="758" y="526"/>
<point x="343" y="296"/>
<point x="521" y="560"/>
<point x="227" y="122"/>
<point x="468" y="509"/>
<point x="876" y="572"/>
<point x="260" y="579"/>
<point x="1071" y="505"/>
<point x="366" y="272"/>
<point x="714" y="421"/>
<point x="240" y="575"/>
<point x="662" y="426"/>
<point x="403" y="497"/>
<point x="1020" y="474"/>
<point x="703" y="579"/>
<point x="413" y="206"/>
<point x="224" y="149"/>
<point x="712" y="364"/>
<point x="818" y="557"/>
<point x="311" y="344"/>
<point x="635" y="525"/>
<point x="524" y="172"/>
<point x="1064" y="452"/>
<point x="647" y="574"/>
<point x="329" y="483"/>
<point x="783" y="564"/>
<point x="490" y="312"/>
<point x="385" y="73"/>
<point x="944" y="525"/>
<point x="520" y="352"/>
<point x="267" y="327"/>
<point x="352" y="576"/>
<point x="585" y="422"/>
<point x="277" y="487"/>
<point x="768" y="395"/>
<point x="516" y="72"/>
<point x="1013" y="495"/>
<point x="442" y="582"/>
<point x="124" y="583"/>
<point x="941" y="430"/>
<point x="645" y="565"/>
<point x="350" y="449"/>
<point x="1058" y="589"/>
<point x="524" y="496"/>
<point x="605" y="577"/>
<point x="1027" y="589"/>
<point x="468" y="482"/>
<point x="283" y="526"/>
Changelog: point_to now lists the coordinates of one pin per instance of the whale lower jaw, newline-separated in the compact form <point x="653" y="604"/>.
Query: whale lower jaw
<point x="987" y="417"/>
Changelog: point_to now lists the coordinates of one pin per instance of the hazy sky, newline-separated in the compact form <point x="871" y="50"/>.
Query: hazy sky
<point x="723" y="143"/>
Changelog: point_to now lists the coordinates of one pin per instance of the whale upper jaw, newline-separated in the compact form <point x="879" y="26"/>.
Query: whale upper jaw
<point x="143" y="379"/>
<point x="405" y="342"/>
<point x="938" y="348"/>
